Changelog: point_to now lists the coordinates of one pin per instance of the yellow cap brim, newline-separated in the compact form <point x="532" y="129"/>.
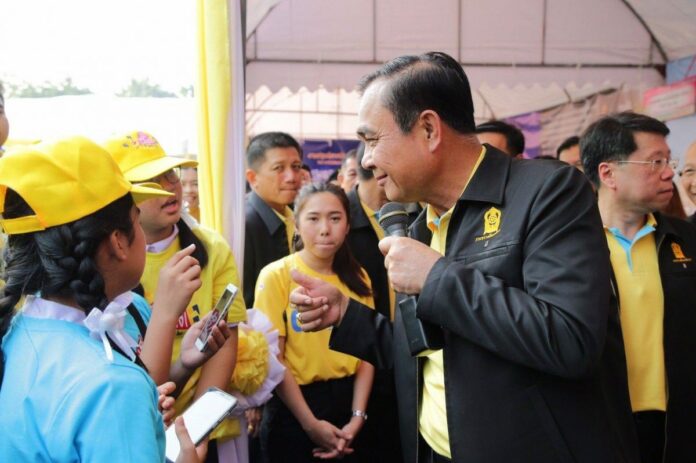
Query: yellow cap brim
<point x="152" y="169"/>
<point x="144" y="191"/>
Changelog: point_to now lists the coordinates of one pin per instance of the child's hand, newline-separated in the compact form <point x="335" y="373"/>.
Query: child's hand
<point x="165" y="402"/>
<point x="190" y="357"/>
<point x="188" y="453"/>
<point x="178" y="280"/>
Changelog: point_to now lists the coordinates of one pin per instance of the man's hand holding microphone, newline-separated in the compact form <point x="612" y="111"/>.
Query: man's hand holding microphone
<point x="408" y="263"/>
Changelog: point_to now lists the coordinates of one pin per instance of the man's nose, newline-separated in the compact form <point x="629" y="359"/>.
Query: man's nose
<point x="290" y="175"/>
<point x="367" y="162"/>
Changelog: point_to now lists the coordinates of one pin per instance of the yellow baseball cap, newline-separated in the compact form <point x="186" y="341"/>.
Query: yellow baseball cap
<point x="141" y="157"/>
<point x="63" y="181"/>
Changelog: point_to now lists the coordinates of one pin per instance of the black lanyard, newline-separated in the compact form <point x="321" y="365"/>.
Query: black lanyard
<point x="142" y="327"/>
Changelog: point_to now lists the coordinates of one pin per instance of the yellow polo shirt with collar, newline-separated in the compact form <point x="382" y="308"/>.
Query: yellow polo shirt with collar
<point x="433" y="411"/>
<point x="642" y="311"/>
<point x="379" y="231"/>
<point x="288" y="219"/>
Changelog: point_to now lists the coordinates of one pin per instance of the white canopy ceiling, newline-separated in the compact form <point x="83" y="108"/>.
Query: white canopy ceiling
<point x="332" y="43"/>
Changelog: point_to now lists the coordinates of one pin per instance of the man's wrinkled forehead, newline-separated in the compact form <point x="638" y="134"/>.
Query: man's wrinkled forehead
<point x="370" y="100"/>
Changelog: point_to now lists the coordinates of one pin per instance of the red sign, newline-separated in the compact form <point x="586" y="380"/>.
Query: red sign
<point x="671" y="101"/>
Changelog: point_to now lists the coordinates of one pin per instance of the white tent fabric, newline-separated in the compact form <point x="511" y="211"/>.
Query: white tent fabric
<point x="519" y="56"/>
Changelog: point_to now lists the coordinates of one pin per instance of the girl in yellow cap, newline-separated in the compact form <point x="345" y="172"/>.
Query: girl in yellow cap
<point x="321" y="404"/>
<point x="72" y="386"/>
<point x="168" y="230"/>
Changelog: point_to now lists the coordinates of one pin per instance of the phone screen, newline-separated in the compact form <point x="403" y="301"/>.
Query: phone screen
<point x="218" y="313"/>
<point x="201" y="418"/>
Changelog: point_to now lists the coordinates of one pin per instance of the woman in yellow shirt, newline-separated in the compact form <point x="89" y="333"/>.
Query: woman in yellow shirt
<point x="321" y="403"/>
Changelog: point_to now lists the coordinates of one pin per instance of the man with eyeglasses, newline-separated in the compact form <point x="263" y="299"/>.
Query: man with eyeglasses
<point x="627" y="157"/>
<point x="688" y="176"/>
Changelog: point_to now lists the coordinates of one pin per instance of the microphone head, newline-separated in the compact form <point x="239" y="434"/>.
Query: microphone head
<point x="393" y="218"/>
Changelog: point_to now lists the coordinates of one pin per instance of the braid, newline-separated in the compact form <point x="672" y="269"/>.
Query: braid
<point x="87" y="284"/>
<point x="58" y="261"/>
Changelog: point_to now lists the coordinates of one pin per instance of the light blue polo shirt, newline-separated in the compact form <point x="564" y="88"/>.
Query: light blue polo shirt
<point x="61" y="399"/>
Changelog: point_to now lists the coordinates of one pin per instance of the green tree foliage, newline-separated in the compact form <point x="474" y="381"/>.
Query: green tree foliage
<point x="186" y="92"/>
<point x="47" y="89"/>
<point x="143" y="88"/>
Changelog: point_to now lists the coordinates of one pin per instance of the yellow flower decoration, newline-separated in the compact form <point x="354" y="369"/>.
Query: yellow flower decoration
<point x="252" y="365"/>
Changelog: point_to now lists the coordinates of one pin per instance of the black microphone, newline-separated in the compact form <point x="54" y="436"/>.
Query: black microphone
<point x="421" y="336"/>
<point x="393" y="219"/>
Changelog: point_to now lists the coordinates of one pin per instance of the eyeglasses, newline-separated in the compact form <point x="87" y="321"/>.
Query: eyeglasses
<point x="656" y="165"/>
<point x="171" y="176"/>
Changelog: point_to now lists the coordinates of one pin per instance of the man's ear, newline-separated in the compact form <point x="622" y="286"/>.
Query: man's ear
<point x="431" y="125"/>
<point x="605" y="173"/>
<point x="251" y="177"/>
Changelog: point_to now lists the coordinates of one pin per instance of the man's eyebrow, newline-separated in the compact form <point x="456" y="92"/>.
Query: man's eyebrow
<point x="364" y="132"/>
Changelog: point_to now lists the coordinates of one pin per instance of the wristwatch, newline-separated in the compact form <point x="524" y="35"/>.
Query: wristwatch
<point x="360" y="413"/>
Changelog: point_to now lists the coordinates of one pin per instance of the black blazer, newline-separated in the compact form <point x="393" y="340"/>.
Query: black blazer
<point x="676" y="254"/>
<point x="524" y="307"/>
<point x="265" y="241"/>
<point x="363" y="240"/>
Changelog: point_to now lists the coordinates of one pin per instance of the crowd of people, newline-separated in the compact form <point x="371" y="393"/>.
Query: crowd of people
<point x="562" y="292"/>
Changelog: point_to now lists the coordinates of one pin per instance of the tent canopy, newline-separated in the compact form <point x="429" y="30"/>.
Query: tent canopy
<point x="332" y="43"/>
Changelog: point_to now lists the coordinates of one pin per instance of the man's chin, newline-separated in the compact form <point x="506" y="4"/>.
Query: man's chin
<point x="400" y="196"/>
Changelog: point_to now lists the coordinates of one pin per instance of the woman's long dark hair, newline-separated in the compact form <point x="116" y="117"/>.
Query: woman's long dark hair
<point x="344" y="264"/>
<point x="58" y="261"/>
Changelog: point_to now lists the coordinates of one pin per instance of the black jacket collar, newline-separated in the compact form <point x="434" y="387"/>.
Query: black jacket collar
<point x="486" y="186"/>
<point x="358" y="218"/>
<point x="268" y="216"/>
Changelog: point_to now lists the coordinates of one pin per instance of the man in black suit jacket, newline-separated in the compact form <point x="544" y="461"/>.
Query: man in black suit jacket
<point x="379" y="440"/>
<point x="510" y="266"/>
<point x="274" y="162"/>
<point x="366" y="199"/>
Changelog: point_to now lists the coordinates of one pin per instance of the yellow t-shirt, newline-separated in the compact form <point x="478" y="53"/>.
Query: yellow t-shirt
<point x="307" y="355"/>
<point x="642" y="315"/>
<point x="220" y="271"/>
<point x="433" y="411"/>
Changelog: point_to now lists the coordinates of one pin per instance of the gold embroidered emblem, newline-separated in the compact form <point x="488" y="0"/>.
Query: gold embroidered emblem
<point x="491" y="224"/>
<point x="679" y="255"/>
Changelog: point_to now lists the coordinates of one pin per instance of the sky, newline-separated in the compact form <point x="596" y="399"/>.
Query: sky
<point x="100" y="44"/>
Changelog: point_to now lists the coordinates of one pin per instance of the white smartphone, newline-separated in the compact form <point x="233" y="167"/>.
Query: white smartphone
<point x="201" y="418"/>
<point x="218" y="313"/>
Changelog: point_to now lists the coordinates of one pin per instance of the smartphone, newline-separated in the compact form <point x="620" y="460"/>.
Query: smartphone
<point x="218" y="313"/>
<point x="201" y="418"/>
